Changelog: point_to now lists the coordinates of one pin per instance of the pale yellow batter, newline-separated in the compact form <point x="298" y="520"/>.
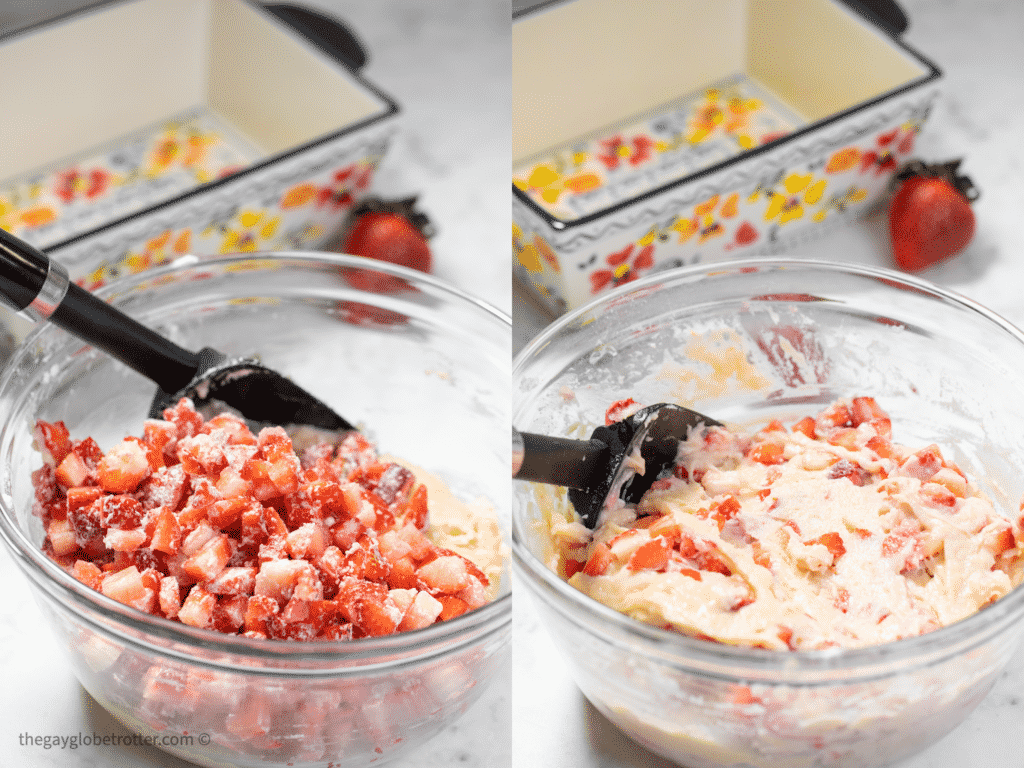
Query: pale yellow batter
<point x="821" y="534"/>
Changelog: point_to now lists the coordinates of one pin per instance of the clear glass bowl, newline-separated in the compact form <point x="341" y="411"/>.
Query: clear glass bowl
<point x="422" y="369"/>
<point x="746" y="342"/>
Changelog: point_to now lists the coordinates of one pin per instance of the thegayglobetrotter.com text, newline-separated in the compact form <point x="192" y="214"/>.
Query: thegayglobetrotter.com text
<point x="93" y="739"/>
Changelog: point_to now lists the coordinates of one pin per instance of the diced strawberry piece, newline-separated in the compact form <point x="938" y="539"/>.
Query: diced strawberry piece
<point x="572" y="567"/>
<point x="725" y="510"/>
<point x="274" y="444"/>
<point x="392" y="546"/>
<point x="938" y="495"/>
<point x="201" y="454"/>
<point x="416" y="511"/>
<point x="123" y="467"/>
<point x="836" y="415"/>
<point x="806" y="426"/>
<point x="53" y="441"/>
<point x="284" y="474"/>
<point x="169" y="596"/>
<point x="124" y="540"/>
<point x="952" y="481"/>
<point x="864" y="410"/>
<point x="620" y="410"/>
<point x="403" y="574"/>
<point x="61" y="537"/>
<point x="119" y="511"/>
<point x="87" y="573"/>
<point x="257" y="473"/>
<point x="368" y="607"/>
<point x="85" y="521"/>
<point x="166" y="536"/>
<point x="202" y="497"/>
<point x="229" y="429"/>
<point x="832" y="541"/>
<point x="923" y="464"/>
<point x="234" y="580"/>
<point x="394" y="483"/>
<point x="365" y="561"/>
<point x="882" y="446"/>
<point x="1001" y="542"/>
<point x="845" y="468"/>
<point x="197" y="610"/>
<point x="600" y="558"/>
<point x="276" y="548"/>
<point x="166" y="487"/>
<point x="336" y="632"/>
<point x="258" y="609"/>
<point x="445" y="575"/>
<point x="209" y="560"/>
<point x="308" y="541"/>
<point x="419" y="544"/>
<point x="451" y="607"/>
<point x="197" y="538"/>
<point x="224" y="513"/>
<point x="231" y="485"/>
<point x="709" y="560"/>
<point x="160" y="435"/>
<point x="846" y="437"/>
<point x="126" y="586"/>
<point x="277" y="578"/>
<point x="346" y="533"/>
<point x="767" y="453"/>
<point x="72" y="471"/>
<point x="185" y="418"/>
<point x="653" y="556"/>
<point x="229" y="613"/>
<point x="422" y="612"/>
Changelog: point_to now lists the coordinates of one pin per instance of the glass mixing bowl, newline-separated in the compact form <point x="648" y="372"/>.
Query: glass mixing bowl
<point x="746" y="342"/>
<point x="422" y="369"/>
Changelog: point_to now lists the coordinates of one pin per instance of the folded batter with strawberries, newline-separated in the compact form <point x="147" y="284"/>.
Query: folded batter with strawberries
<point x="208" y="524"/>
<point x="823" y="534"/>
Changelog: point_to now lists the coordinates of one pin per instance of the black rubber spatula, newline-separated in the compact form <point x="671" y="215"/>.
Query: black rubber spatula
<point x="38" y="289"/>
<point x="595" y="468"/>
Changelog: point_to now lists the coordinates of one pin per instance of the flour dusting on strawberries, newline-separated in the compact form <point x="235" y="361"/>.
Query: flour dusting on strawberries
<point x="205" y="523"/>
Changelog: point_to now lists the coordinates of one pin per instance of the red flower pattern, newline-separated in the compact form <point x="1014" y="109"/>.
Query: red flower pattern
<point x="622" y="269"/>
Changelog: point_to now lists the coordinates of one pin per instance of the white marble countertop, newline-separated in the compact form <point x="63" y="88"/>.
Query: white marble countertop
<point x="977" y="44"/>
<point x="446" y="63"/>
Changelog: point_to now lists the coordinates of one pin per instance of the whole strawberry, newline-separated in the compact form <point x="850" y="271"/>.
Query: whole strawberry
<point x="930" y="215"/>
<point x="387" y="230"/>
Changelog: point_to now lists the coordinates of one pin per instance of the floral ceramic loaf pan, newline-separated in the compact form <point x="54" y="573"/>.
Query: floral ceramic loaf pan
<point x="140" y="130"/>
<point x="651" y="134"/>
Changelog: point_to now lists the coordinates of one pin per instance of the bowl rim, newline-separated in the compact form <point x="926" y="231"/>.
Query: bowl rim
<point x="734" y="662"/>
<point x="234" y="652"/>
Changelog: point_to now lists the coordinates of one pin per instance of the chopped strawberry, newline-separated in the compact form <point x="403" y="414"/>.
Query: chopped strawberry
<point x="600" y="558"/>
<point x="445" y="575"/>
<point x="123" y="467"/>
<point x="197" y="610"/>
<point x="52" y="441"/>
<point x="62" y="537"/>
<point x="767" y="453"/>
<point x="209" y="560"/>
<point x="126" y="586"/>
<point x="653" y="555"/>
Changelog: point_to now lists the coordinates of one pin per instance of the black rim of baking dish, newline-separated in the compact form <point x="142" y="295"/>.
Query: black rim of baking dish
<point x="826" y="667"/>
<point x="345" y="54"/>
<point x="861" y="7"/>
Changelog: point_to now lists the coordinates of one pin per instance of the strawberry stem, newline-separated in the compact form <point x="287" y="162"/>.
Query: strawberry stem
<point x="947" y="171"/>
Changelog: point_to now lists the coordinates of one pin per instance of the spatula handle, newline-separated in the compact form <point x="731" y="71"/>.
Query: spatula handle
<point x="557" y="460"/>
<point x="38" y="288"/>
